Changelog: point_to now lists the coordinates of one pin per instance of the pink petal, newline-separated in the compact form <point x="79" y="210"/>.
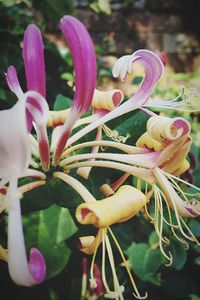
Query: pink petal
<point x="82" y="50"/>
<point x="13" y="82"/>
<point x="33" y="56"/>
<point x="153" y="71"/>
<point x="182" y="124"/>
<point x="39" y="113"/>
<point x="37" y="265"/>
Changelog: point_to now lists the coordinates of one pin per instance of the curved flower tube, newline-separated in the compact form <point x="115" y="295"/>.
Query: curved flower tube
<point x="21" y="272"/>
<point x="123" y="205"/>
<point x="33" y="56"/>
<point x="14" y="161"/>
<point x="153" y="71"/>
<point x="82" y="50"/>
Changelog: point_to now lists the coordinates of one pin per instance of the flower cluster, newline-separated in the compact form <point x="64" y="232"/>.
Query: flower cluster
<point x="157" y="161"/>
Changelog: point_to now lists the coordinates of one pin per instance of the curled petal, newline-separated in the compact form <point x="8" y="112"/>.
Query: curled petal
<point x="153" y="70"/>
<point x="147" y="141"/>
<point x="13" y="82"/>
<point x="88" y="244"/>
<point x="166" y="129"/>
<point x="21" y="272"/>
<point x="39" y="112"/>
<point x="82" y="50"/>
<point x="115" y="209"/>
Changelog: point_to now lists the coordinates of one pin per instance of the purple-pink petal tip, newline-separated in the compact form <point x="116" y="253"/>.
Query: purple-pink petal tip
<point x="82" y="50"/>
<point x="33" y="56"/>
<point x="37" y="265"/>
<point x="12" y="79"/>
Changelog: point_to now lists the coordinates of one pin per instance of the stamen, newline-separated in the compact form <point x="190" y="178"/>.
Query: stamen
<point x="118" y="289"/>
<point x="181" y="180"/>
<point x="108" y="291"/>
<point x="114" y="135"/>
<point x="137" y="295"/>
<point x="93" y="283"/>
<point x="159" y="230"/>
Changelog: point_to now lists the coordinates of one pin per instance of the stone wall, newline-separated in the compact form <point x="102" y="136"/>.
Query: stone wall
<point x="170" y="26"/>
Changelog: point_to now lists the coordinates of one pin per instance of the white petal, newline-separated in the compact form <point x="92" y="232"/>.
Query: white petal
<point x="14" y="144"/>
<point x="119" y="64"/>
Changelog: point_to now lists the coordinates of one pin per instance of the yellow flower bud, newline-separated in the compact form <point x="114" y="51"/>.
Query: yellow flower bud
<point x="88" y="244"/>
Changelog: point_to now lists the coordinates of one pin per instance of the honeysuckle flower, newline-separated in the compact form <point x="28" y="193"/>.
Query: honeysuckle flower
<point x="153" y="71"/>
<point x="82" y="50"/>
<point x="170" y="141"/>
<point x="121" y="206"/>
<point x="14" y="162"/>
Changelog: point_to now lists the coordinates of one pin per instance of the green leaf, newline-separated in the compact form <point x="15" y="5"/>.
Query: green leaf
<point x="195" y="227"/>
<point x="153" y="239"/>
<point x="179" y="254"/>
<point x="48" y="229"/>
<point x="197" y="261"/>
<point x="62" y="103"/>
<point x="101" y="6"/>
<point x="194" y="297"/>
<point x="132" y="124"/>
<point x="137" y="80"/>
<point x="144" y="260"/>
<point x="67" y="76"/>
